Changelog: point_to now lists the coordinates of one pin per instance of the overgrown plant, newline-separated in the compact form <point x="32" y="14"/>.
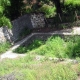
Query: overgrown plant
<point x="69" y="47"/>
<point x="31" y="69"/>
<point x="35" y="44"/>
<point x="4" y="21"/>
<point x="49" y="11"/>
<point x="4" y="47"/>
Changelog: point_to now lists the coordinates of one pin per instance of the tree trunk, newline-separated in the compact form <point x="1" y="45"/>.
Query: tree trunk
<point x="58" y="6"/>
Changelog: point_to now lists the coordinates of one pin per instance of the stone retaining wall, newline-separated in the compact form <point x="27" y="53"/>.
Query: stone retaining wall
<point x="27" y="21"/>
<point x="38" y="20"/>
<point x="45" y="36"/>
<point x="2" y="36"/>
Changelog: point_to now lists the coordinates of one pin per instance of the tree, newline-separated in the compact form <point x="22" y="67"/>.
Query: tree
<point x="58" y="6"/>
<point x="16" y="9"/>
<point x="56" y="2"/>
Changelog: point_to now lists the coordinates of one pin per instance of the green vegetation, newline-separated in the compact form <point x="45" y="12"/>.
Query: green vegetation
<point x="58" y="47"/>
<point x="4" y="21"/>
<point x="4" y="47"/>
<point x="35" y="44"/>
<point x="10" y="11"/>
<point x="31" y="69"/>
<point x="49" y="11"/>
<point x="54" y="46"/>
<point x="70" y="6"/>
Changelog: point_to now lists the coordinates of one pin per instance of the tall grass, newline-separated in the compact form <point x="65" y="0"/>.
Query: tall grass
<point x="28" y="68"/>
<point x="23" y="49"/>
<point x="55" y="47"/>
<point x="4" y="47"/>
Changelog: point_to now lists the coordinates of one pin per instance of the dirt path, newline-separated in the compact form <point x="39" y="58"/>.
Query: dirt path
<point x="10" y="54"/>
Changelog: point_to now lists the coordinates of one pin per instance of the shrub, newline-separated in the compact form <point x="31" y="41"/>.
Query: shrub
<point x="70" y="6"/>
<point x="55" y="46"/>
<point x="73" y="47"/>
<point x="4" y="21"/>
<point x="49" y="11"/>
<point x="76" y="48"/>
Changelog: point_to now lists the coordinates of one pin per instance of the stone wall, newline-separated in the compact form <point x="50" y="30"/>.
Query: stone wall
<point x="38" y="20"/>
<point x="45" y="36"/>
<point x="2" y="35"/>
<point x="27" y="21"/>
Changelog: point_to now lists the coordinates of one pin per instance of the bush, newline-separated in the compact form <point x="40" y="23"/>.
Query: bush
<point x="4" y="21"/>
<point x="76" y="48"/>
<point x="69" y="47"/>
<point x="70" y="6"/>
<point x="49" y="11"/>
<point x="57" y="47"/>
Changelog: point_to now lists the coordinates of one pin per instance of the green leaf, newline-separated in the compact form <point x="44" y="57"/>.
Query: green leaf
<point x="1" y="10"/>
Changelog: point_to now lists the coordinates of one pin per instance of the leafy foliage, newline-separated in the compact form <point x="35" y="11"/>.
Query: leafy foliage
<point x="54" y="47"/>
<point x="4" y="47"/>
<point x="23" y="49"/>
<point x="70" y="6"/>
<point x="4" y="21"/>
<point x="49" y="11"/>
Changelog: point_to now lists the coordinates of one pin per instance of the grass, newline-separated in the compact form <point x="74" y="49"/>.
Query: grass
<point x="35" y="44"/>
<point x="54" y="47"/>
<point x="4" y="47"/>
<point x="31" y="69"/>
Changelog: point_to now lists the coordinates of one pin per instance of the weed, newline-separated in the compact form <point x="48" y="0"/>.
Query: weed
<point x="69" y="47"/>
<point x="28" y="68"/>
<point x="23" y="49"/>
<point x="4" y="47"/>
<point x="61" y="48"/>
